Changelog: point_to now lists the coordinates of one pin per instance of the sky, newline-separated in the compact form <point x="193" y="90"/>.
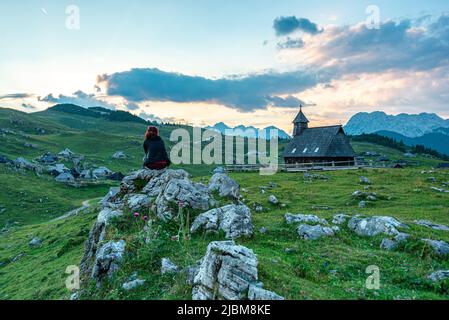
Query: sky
<point x="246" y="62"/>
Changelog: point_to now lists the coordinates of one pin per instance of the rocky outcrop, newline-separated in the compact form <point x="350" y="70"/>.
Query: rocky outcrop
<point x="373" y="226"/>
<point x="234" y="220"/>
<point x="225" y="186"/>
<point x="227" y="272"/>
<point x="35" y="243"/>
<point x="108" y="259"/>
<point x="273" y="200"/>
<point x="315" y="232"/>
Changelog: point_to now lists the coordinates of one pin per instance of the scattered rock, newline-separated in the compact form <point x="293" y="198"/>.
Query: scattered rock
<point x="35" y="243"/>
<point x="226" y="272"/>
<point x="119" y="155"/>
<point x="74" y="296"/>
<point x="430" y="224"/>
<point x="234" y="220"/>
<point x="308" y="232"/>
<point x="258" y="293"/>
<point x="392" y="244"/>
<point x="108" y="259"/>
<point x="431" y="179"/>
<point x="226" y="186"/>
<point x="362" y="204"/>
<point x="340" y="218"/>
<point x="273" y="200"/>
<point x="321" y="208"/>
<point x="314" y="176"/>
<point x="439" y="275"/>
<point x="263" y="230"/>
<point x="372" y="226"/>
<point x="303" y="218"/>
<point x="168" y="267"/>
<point x="365" y="180"/>
<point x="439" y="190"/>
<point x="133" y="284"/>
<point x="440" y="248"/>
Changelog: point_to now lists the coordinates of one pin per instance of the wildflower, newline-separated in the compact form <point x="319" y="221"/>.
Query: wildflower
<point x="181" y="204"/>
<point x="136" y="214"/>
<point x="175" y="238"/>
<point x="145" y="218"/>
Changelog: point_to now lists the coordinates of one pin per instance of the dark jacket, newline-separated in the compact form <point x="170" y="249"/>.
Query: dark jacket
<point x="155" y="151"/>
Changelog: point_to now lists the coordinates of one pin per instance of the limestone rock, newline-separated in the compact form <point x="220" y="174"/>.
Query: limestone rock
<point x="392" y="244"/>
<point x="308" y="232"/>
<point x="440" y="248"/>
<point x="133" y="284"/>
<point x="168" y="267"/>
<point x="35" y="242"/>
<point x="304" y="218"/>
<point x="234" y="220"/>
<point x="110" y="199"/>
<point x="119" y="155"/>
<point x="340" y="218"/>
<point x="365" y="180"/>
<point x="273" y="200"/>
<point x="136" y="202"/>
<point x="430" y="224"/>
<point x="373" y="226"/>
<point x="258" y="293"/>
<point x="226" y="272"/>
<point x="225" y="186"/>
<point x="108" y="259"/>
<point x="107" y="214"/>
<point x="439" y="275"/>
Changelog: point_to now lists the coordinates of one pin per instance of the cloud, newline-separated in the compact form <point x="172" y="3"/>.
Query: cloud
<point x="245" y="93"/>
<point x="290" y="44"/>
<point x="287" y="25"/>
<point x="132" y="106"/>
<point x="413" y="45"/>
<point x="16" y="96"/>
<point x="79" y="98"/>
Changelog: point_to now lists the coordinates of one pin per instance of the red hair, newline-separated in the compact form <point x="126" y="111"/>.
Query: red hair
<point x="151" y="132"/>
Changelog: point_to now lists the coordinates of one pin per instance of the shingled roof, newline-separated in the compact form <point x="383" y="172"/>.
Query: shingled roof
<point x="320" y="142"/>
<point x="301" y="117"/>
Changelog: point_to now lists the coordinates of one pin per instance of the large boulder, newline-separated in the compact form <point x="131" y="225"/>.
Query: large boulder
<point x="225" y="186"/>
<point x="107" y="214"/>
<point x="373" y="226"/>
<point x="234" y="220"/>
<point x="340" y="218"/>
<point x="393" y="244"/>
<point x="308" y="232"/>
<point x="137" y="202"/>
<point x="108" y="259"/>
<point x="226" y="272"/>
<point x="229" y="272"/>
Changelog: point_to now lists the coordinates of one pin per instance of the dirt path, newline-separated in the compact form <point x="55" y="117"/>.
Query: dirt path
<point x="85" y="205"/>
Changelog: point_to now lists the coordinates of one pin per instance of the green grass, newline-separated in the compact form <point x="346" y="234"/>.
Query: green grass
<point x="39" y="273"/>
<point x="332" y="268"/>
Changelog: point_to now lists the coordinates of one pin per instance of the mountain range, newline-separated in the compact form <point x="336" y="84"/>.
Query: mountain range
<point x="250" y="131"/>
<point x="427" y="129"/>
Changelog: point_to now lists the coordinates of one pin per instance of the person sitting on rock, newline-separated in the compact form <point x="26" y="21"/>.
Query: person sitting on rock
<point x="156" y="157"/>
